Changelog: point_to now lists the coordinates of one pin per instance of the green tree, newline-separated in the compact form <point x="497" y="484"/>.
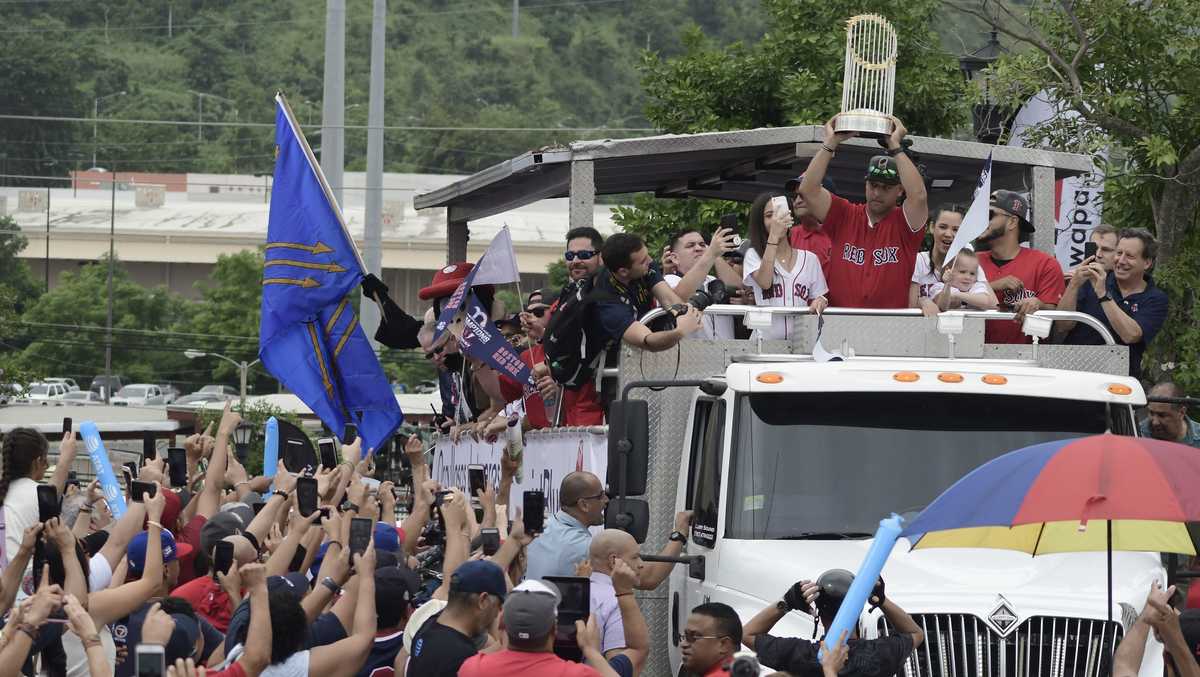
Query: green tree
<point x="17" y="290"/>
<point x="226" y="319"/>
<point x="66" y="327"/>
<point x="1131" y="72"/>
<point x="792" y="76"/>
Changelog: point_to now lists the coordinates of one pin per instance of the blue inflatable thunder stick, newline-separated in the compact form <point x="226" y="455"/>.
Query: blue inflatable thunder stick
<point x="271" y="449"/>
<point x="104" y="471"/>
<point x="864" y="581"/>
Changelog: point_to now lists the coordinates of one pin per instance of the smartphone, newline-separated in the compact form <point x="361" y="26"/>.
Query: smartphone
<point x="299" y="458"/>
<point x="306" y="495"/>
<point x="350" y="434"/>
<point x="222" y="558"/>
<point x="1090" y="249"/>
<point x="575" y="605"/>
<point x="361" y="529"/>
<point x="328" y="452"/>
<point x="150" y="660"/>
<point x="490" y="540"/>
<point x="177" y="466"/>
<point x="476" y="480"/>
<point x="128" y="478"/>
<point x="149" y="446"/>
<point x="66" y="424"/>
<point x="779" y="203"/>
<point x="140" y="491"/>
<point x="533" y="512"/>
<point x="131" y="467"/>
<point x="48" y="505"/>
<point x="730" y="221"/>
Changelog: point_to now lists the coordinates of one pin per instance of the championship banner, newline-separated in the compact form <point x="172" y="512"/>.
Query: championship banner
<point x="481" y="339"/>
<point x="548" y="457"/>
<point x="103" y="469"/>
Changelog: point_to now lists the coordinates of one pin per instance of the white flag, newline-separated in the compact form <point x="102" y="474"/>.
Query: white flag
<point x="498" y="265"/>
<point x="975" y="223"/>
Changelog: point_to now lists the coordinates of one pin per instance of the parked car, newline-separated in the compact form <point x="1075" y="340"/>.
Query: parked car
<point x="209" y="393"/>
<point x="138" y="395"/>
<point x="47" y="393"/>
<point x="218" y="389"/>
<point x="426" y="387"/>
<point x="170" y="393"/>
<point x="112" y="383"/>
<point x="82" y="397"/>
<point x="72" y="386"/>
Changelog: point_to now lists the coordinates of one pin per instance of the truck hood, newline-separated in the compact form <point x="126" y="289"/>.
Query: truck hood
<point x="953" y="580"/>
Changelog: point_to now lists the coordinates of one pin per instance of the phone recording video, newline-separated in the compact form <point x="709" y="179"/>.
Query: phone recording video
<point x="150" y="660"/>
<point x="299" y="457"/>
<point x="489" y="539"/>
<point x="533" y="512"/>
<point x="149" y="448"/>
<point x="47" y="499"/>
<point x="306" y="495"/>
<point x="177" y="466"/>
<point x="328" y="452"/>
<point x="575" y="605"/>
<point x="66" y="424"/>
<point x="222" y="558"/>
<point x="476" y="480"/>
<point x="140" y="491"/>
<point x="1090" y="249"/>
<point x="361" y="530"/>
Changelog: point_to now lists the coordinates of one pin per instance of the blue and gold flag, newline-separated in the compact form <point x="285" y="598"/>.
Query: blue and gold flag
<point x="310" y="338"/>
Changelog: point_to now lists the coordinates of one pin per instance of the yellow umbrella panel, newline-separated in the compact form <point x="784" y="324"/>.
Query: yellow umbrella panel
<point x="1044" y="538"/>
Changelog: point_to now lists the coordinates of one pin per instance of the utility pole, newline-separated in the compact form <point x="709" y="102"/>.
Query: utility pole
<point x="47" y="239"/>
<point x="333" y="114"/>
<point x="516" y="12"/>
<point x="112" y="236"/>
<point x="373" y="223"/>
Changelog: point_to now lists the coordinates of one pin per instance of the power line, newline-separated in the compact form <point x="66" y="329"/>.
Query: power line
<point x="153" y="332"/>
<point x="394" y="128"/>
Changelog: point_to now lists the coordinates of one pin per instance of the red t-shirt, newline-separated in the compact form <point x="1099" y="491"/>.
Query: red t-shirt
<point x="816" y="241"/>
<point x="208" y="599"/>
<point x="191" y="536"/>
<point x="870" y="266"/>
<point x="579" y="407"/>
<point x="235" y="670"/>
<point x="524" y="663"/>
<point x="1041" y="276"/>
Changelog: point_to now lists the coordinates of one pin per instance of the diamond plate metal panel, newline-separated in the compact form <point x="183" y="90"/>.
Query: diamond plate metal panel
<point x="891" y="336"/>
<point x="1099" y="359"/>
<point x="1044" y="216"/>
<point x="583" y="193"/>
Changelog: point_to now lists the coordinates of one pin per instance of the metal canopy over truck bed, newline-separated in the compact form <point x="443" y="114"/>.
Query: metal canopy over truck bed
<point x="737" y="166"/>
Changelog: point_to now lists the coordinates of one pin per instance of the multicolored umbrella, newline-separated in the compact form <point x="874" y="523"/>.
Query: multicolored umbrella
<point x="1100" y="493"/>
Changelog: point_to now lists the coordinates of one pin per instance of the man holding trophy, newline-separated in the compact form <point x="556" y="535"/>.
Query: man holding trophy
<point x="875" y="244"/>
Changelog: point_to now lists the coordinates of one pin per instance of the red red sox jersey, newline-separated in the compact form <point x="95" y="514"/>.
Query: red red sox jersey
<point x="1040" y="276"/>
<point x="872" y="265"/>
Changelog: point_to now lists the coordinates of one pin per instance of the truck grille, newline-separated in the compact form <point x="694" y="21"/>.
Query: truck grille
<point x="963" y="645"/>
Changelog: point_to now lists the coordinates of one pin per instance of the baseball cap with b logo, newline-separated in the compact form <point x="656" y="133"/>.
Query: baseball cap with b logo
<point x="1015" y="204"/>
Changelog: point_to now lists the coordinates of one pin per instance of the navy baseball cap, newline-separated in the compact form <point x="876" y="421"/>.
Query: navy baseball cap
<point x="479" y="576"/>
<point x="826" y="183"/>
<point x="170" y="550"/>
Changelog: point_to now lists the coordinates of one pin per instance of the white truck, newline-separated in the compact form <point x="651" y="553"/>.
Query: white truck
<point x="789" y="464"/>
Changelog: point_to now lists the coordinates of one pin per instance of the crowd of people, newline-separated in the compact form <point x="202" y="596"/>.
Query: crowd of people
<point x="803" y="246"/>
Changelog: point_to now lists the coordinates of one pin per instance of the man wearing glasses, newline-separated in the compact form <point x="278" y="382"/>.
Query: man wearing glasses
<point x="566" y="540"/>
<point x="583" y="252"/>
<point x="712" y="635"/>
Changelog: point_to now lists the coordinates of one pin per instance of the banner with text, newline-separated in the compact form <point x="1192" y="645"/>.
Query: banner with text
<point x="548" y="457"/>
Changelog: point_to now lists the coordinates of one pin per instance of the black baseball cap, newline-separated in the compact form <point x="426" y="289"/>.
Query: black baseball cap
<point x="1015" y="204"/>
<point x="883" y="169"/>
<point x="826" y="183"/>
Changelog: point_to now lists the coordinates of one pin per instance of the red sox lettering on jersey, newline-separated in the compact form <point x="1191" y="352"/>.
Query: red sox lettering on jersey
<point x="880" y="257"/>
<point x="1012" y="298"/>
<point x="799" y="291"/>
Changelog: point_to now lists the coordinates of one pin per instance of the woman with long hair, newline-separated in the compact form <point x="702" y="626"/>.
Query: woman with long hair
<point x="930" y="263"/>
<point x="778" y="274"/>
<point x="24" y="458"/>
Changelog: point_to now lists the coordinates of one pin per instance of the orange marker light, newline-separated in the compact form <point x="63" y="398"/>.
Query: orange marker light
<point x="771" y="377"/>
<point x="1119" y="389"/>
<point x="947" y="377"/>
<point x="907" y="376"/>
<point x="995" y="379"/>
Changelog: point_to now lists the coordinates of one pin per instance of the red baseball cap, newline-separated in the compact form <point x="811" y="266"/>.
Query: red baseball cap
<point x="445" y="281"/>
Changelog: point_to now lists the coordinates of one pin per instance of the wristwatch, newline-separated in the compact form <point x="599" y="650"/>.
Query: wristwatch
<point x="331" y="585"/>
<point x="678" y="537"/>
<point x="1104" y="298"/>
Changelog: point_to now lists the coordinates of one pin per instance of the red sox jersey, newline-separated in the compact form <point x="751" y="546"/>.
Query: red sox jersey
<point x="1040" y="276"/>
<point x="789" y="288"/>
<point x="872" y="265"/>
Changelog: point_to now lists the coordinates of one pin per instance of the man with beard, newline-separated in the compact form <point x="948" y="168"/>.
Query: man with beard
<point x="874" y="245"/>
<point x="1025" y="280"/>
<point x="583" y="252"/>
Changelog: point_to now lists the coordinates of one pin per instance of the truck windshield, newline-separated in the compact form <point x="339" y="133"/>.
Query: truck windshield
<point x="831" y="465"/>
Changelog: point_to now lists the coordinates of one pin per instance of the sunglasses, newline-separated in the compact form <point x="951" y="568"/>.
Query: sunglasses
<point x="537" y="312"/>
<point x="436" y="351"/>
<point x="582" y="255"/>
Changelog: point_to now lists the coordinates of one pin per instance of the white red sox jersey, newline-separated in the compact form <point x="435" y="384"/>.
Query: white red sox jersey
<point x="789" y="288"/>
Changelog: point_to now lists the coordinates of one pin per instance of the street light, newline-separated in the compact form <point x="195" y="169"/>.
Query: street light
<point x="989" y="119"/>
<point x="242" y="366"/>
<point x="95" y="117"/>
<point x="243" y="435"/>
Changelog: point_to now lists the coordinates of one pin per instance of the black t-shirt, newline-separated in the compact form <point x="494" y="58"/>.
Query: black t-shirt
<point x="439" y="650"/>
<point x="127" y="633"/>
<point x="868" y="657"/>
<point x="631" y="301"/>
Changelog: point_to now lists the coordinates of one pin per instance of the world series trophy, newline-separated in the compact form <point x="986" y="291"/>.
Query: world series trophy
<point x="869" y="83"/>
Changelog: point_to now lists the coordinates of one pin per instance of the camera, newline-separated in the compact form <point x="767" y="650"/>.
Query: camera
<point x="713" y="292"/>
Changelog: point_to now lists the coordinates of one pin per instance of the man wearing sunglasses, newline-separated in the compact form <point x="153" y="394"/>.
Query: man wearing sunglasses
<point x="583" y="252"/>
<point x="1025" y="280"/>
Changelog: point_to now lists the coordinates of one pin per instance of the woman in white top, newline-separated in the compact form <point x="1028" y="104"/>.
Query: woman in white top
<point x="793" y="277"/>
<point x="930" y="264"/>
